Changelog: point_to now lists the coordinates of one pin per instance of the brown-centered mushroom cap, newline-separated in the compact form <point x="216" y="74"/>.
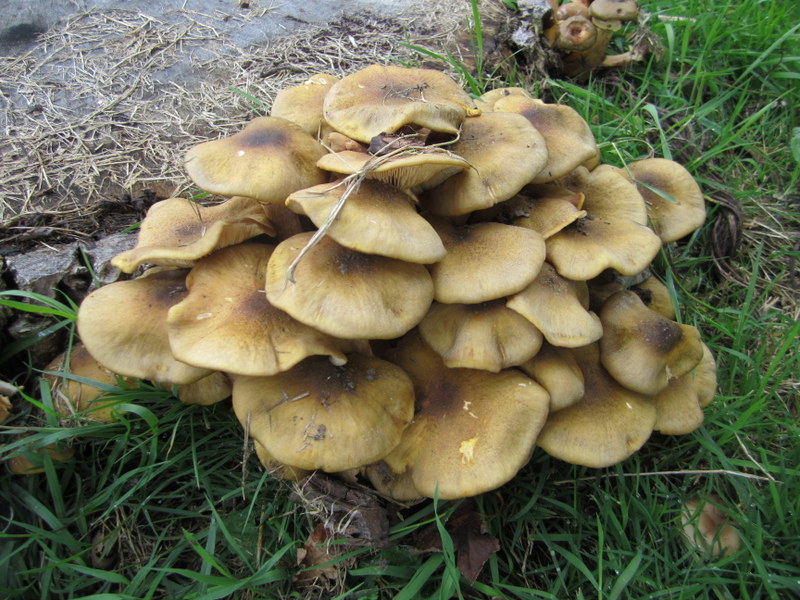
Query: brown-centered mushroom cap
<point x="483" y="261"/>
<point x="226" y="323"/>
<point x="604" y="427"/>
<point x="567" y="136"/>
<point x="674" y="201"/>
<point x="321" y="416"/>
<point x="707" y="527"/>
<point x="124" y="327"/>
<point x="505" y="152"/>
<point x="485" y="336"/>
<point x="345" y="293"/>
<point x="377" y="218"/>
<point x="612" y="235"/>
<point x="267" y="160"/>
<point x="641" y="349"/>
<point x="382" y="99"/>
<point x="176" y="232"/>
<point x="302" y="104"/>
<point x="558" y="308"/>
<point x="472" y="430"/>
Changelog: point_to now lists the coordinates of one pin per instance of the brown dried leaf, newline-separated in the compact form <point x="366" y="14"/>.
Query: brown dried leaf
<point x="317" y="551"/>
<point x="473" y="544"/>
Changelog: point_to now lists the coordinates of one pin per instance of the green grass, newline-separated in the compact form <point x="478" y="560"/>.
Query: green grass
<point x="192" y="519"/>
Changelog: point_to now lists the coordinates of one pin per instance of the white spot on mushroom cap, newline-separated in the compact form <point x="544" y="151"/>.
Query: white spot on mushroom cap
<point x="202" y="316"/>
<point x="240" y="153"/>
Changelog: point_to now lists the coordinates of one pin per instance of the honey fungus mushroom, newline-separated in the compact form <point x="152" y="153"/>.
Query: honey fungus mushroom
<point x="318" y="415"/>
<point x="472" y="429"/>
<point x="267" y="160"/>
<point x="345" y="293"/>
<point x="226" y="323"/>
<point x="379" y="99"/>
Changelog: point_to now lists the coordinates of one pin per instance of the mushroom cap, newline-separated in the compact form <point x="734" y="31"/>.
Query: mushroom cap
<point x="550" y="214"/>
<point x="606" y="426"/>
<point x="653" y="293"/>
<point x="558" y="308"/>
<point x="124" y="327"/>
<point x="614" y="10"/>
<point x="321" y="416"/>
<point x="302" y="104"/>
<point x="345" y="293"/>
<point x="226" y="323"/>
<point x="485" y="336"/>
<point x="674" y="201"/>
<point x="472" y="430"/>
<point x="505" y="152"/>
<point x="557" y="371"/>
<point x="487" y="100"/>
<point x="177" y="232"/>
<point x="413" y="170"/>
<point x="641" y="349"/>
<point x="206" y="391"/>
<point x="382" y="99"/>
<point x="267" y="160"/>
<point x="576" y="32"/>
<point x="680" y="405"/>
<point x="377" y="218"/>
<point x="31" y="461"/>
<point x="611" y="236"/>
<point x="707" y="528"/>
<point x="483" y="261"/>
<point x="567" y="137"/>
<point x="276" y="468"/>
<point x="73" y="395"/>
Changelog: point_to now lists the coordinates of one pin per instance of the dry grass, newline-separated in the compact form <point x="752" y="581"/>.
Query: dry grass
<point x="97" y="111"/>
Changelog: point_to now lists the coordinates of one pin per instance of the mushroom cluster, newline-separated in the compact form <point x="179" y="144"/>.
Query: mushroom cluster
<point x="581" y="30"/>
<point x="416" y="286"/>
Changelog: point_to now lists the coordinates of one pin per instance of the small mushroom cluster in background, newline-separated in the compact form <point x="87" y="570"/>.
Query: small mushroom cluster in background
<point x="581" y="30"/>
<point x="414" y="286"/>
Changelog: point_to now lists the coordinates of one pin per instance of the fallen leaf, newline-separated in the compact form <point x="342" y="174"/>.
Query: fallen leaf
<point x="473" y="544"/>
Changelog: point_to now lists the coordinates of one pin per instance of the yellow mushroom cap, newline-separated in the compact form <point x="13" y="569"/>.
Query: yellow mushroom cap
<point x="505" y="152"/>
<point x="557" y="371"/>
<point x="302" y="104"/>
<point x="376" y="218"/>
<point x="557" y="307"/>
<point x="415" y="170"/>
<point x="674" y="201"/>
<point x="567" y="137"/>
<point x="382" y="99"/>
<point x="641" y="349"/>
<point x="483" y="261"/>
<point x="267" y="160"/>
<point x="124" y="327"/>
<point x="485" y="336"/>
<point x="707" y="527"/>
<point x="321" y="416"/>
<point x="345" y="293"/>
<point x="487" y="100"/>
<point x="680" y="405"/>
<point x="472" y="430"/>
<point x="177" y="232"/>
<point x="606" y="426"/>
<point x="71" y="395"/>
<point x="226" y="323"/>
<point x="612" y="235"/>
